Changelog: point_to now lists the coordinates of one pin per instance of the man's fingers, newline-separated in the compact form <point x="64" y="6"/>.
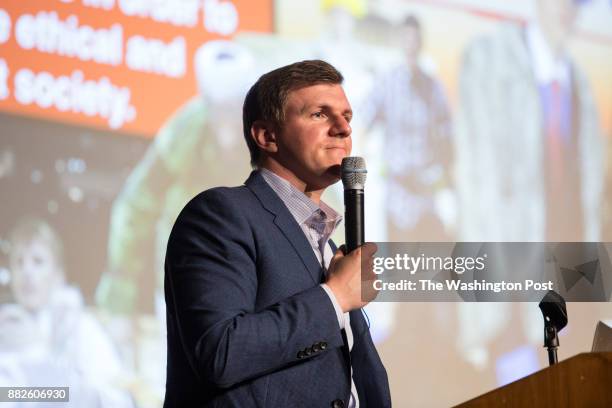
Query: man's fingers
<point x="337" y="256"/>
<point x="339" y="253"/>
<point x="368" y="249"/>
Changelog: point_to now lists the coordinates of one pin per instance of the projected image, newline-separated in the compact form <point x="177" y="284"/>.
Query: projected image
<point x="525" y="104"/>
<point x="55" y="333"/>
<point x="478" y="121"/>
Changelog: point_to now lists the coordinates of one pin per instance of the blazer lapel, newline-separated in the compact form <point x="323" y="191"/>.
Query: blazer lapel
<point x="286" y="223"/>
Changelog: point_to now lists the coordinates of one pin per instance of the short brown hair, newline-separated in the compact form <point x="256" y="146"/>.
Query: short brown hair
<point x="412" y="21"/>
<point x="267" y="97"/>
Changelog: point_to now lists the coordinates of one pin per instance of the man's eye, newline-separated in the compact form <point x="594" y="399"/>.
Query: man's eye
<point x="317" y="115"/>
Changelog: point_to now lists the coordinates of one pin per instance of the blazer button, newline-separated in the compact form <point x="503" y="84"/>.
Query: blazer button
<point x="316" y="348"/>
<point x="300" y="355"/>
<point x="308" y="351"/>
<point x="323" y="345"/>
<point x="338" y="403"/>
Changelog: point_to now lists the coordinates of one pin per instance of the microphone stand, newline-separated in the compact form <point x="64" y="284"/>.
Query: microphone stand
<point x="554" y="312"/>
<point x="551" y="342"/>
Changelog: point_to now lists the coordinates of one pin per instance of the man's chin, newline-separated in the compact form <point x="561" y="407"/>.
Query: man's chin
<point x="326" y="177"/>
<point x="334" y="172"/>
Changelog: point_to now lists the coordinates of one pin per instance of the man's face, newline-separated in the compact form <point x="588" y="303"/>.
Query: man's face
<point x="315" y="135"/>
<point x="557" y="18"/>
<point x="35" y="273"/>
<point x="411" y="38"/>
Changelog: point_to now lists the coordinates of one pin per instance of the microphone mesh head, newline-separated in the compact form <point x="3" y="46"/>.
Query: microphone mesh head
<point x="353" y="173"/>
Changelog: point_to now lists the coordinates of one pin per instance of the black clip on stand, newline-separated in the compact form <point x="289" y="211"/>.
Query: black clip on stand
<point x="553" y="309"/>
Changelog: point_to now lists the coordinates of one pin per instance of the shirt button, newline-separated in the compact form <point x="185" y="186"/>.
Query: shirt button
<point x="338" y="403"/>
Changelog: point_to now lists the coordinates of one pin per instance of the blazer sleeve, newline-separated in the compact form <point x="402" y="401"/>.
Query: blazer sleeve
<point x="211" y="288"/>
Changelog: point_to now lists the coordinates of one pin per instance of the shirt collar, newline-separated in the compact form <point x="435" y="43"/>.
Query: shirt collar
<point x="547" y="66"/>
<point x="300" y="206"/>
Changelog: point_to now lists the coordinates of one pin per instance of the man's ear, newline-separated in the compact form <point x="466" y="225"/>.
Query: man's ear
<point x="264" y="135"/>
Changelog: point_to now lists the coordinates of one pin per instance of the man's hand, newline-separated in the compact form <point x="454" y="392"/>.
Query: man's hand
<point x="345" y="278"/>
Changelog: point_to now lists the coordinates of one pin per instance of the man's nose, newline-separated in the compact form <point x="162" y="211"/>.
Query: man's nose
<point x="341" y="127"/>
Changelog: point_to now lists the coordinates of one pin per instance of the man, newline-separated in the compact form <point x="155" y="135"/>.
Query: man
<point x="250" y="321"/>
<point x="529" y="146"/>
<point x="411" y="105"/>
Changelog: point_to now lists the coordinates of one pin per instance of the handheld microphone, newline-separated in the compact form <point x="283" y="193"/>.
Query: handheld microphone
<point x="353" y="179"/>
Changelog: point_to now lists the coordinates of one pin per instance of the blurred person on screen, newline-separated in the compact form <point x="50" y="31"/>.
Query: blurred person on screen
<point x="412" y="106"/>
<point x="194" y="149"/>
<point x="529" y="146"/>
<point x="54" y="340"/>
<point x="530" y="163"/>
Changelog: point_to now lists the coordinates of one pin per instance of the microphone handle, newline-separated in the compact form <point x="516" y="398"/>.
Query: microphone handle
<point x="353" y="219"/>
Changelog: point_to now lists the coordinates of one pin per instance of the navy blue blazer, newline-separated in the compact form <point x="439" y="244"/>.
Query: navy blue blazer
<point x="248" y="323"/>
